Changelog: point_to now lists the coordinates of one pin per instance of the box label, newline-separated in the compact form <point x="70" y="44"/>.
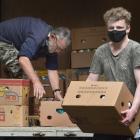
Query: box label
<point x="2" y="114"/>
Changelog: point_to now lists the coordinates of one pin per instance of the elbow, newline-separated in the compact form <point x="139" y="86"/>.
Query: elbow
<point x="22" y="59"/>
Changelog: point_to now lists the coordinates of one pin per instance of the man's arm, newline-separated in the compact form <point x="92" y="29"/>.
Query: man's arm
<point x="131" y="113"/>
<point x="29" y="71"/>
<point x="93" y="77"/>
<point x="54" y="80"/>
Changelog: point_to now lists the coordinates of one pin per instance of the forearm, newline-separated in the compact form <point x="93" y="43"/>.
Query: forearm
<point x="28" y="69"/>
<point x="38" y="88"/>
<point x="136" y="102"/>
<point x="54" y="79"/>
<point x="92" y="77"/>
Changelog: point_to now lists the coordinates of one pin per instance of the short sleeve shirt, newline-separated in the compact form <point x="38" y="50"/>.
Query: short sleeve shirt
<point x="119" y="68"/>
<point x="28" y="35"/>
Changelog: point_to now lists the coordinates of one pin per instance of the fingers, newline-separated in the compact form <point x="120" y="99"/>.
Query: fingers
<point x="123" y="114"/>
<point x="127" y="117"/>
<point x="125" y="122"/>
<point x="39" y="92"/>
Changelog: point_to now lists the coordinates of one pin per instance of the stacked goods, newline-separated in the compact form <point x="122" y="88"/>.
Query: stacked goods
<point x="34" y="103"/>
<point x="96" y="107"/>
<point x="14" y="97"/>
<point x="49" y="111"/>
<point x="84" y="43"/>
<point x="81" y="58"/>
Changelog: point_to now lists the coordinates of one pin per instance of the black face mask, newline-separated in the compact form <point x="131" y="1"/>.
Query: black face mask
<point x="116" y="36"/>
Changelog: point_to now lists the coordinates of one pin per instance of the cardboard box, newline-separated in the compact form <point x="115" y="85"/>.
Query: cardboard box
<point x="82" y="77"/>
<point x="11" y="115"/>
<point x="81" y="59"/>
<point x="14" y="91"/>
<point x="52" y="114"/>
<point x="96" y="106"/>
<point x="92" y="37"/>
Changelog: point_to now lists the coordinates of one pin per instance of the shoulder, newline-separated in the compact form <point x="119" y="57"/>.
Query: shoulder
<point x="134" y="44"/>
<point x="102" y="48"/>
<point x="134" y="48"/>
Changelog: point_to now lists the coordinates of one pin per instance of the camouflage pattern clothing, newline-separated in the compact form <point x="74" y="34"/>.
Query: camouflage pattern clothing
<point x="8" y="57"/>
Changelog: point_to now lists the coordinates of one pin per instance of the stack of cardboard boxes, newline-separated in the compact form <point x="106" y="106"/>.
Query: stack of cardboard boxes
<point x="14" y="95"/>
<point x="48" y="110"/>
<point x="84" y="43"/>
<point x="34" y="103"/>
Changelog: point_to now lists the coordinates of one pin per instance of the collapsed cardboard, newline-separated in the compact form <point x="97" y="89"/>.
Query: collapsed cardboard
<point x="96" y="106"/>
<point x="52" y="114"/>
<point x="14" y="91"/>
<point x="92" y="37"/>
<point x="11" y="115"/>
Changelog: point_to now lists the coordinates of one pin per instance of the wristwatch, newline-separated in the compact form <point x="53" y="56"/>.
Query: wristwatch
<point x="58" y="89"/>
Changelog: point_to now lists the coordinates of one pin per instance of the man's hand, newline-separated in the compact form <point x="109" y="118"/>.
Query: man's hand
<point x="58" y="96"/>
<point x="38" y="90"/>
<point x="127" y="116"/>
<point x="29" y="71"/>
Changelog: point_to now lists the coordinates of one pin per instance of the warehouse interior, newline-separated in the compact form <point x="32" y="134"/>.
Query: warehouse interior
<point x="78" y="16"/>
<point x="73" y="14"/>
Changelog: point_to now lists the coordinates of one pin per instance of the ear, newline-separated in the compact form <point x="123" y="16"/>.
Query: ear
<point x="128" y="28"/>
<point x="53" y="36"/>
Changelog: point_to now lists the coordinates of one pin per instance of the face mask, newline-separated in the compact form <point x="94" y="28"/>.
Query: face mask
<point x="116" y="36"/>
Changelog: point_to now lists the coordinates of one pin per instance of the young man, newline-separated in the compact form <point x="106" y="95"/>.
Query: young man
<point x="26" y="38"/>
<point x="119" y="60"/>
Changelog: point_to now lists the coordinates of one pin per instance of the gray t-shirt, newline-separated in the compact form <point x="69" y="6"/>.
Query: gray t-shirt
<point x="120" y="67"/>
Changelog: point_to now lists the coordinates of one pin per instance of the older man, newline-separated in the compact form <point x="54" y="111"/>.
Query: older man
<point x="25" y="38"/>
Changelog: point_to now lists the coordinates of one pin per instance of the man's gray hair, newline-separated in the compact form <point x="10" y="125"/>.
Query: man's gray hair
<point x="62" y="33"/>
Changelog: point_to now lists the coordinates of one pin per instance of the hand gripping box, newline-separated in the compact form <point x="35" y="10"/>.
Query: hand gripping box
<point x="52" y="114"/>
<point x="96" y="107"/>
<point x="14" y="91"/>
